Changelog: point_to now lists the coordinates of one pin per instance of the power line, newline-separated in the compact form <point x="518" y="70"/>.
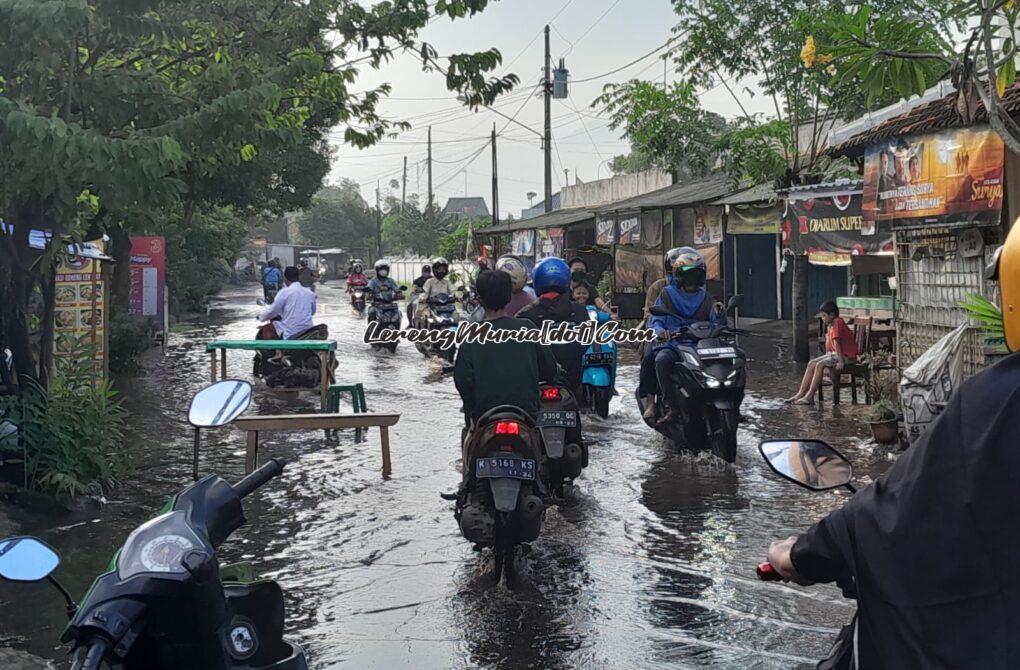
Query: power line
<point x="591" y="27"/>
<point x="633" y="62"/>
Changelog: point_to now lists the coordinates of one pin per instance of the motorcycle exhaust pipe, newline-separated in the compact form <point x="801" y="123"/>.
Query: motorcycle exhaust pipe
<point x="530" y="511"/>
<point x="573" y="461"/>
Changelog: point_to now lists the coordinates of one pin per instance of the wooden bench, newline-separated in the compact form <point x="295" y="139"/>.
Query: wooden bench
<point x="324" y="347"/>
<point x="253" y="425"/>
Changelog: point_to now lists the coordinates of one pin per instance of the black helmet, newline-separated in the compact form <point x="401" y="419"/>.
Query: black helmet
<point x="426" y="269"/>
<point x="687" y="266"/>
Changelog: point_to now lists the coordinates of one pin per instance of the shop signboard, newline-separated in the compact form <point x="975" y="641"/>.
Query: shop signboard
<point x="79" y="314"/>
<point x="955" y="176"/>
<point x="753" y="220"/>
<point x="605" y="232"/>
<point x="829" y="229"/>
<point x="148" y="280"/>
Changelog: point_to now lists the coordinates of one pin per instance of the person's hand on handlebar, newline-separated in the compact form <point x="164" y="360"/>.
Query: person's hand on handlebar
<point x="665" y="335"/>
<point x="779" y="557"/>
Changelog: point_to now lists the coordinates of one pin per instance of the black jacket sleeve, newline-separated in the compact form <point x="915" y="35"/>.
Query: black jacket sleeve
<point x="816" y="556"/>
<point x="546" y="363"/>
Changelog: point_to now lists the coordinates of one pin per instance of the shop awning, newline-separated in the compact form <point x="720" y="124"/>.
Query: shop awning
<point x="559" y="219"/>
<point x="694" y="192"/>
<point x="750" y="196"/>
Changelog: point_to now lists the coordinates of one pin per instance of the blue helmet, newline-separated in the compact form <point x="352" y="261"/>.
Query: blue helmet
<point x="551" y="274"/>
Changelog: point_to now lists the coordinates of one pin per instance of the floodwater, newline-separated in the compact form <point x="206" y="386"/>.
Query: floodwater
<point x="652" y="567"/>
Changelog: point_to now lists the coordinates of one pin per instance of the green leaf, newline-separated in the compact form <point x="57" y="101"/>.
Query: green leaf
<point x="1005" y="77"/>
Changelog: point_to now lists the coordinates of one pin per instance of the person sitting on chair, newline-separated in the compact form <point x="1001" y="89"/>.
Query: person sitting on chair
<point x="840" y="349"/>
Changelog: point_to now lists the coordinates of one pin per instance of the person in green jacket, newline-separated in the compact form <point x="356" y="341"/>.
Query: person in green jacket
<point x="504" y="373"/>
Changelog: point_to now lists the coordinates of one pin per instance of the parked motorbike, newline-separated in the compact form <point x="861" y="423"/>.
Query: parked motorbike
<point x="559" y="423"/>
<point x="816" y="466"/>
<point x="711" y="376"/>
<point x="500" y="502"/>
<point x="440" y="313"/>
<point x="385" y="310"/>
<point x="165" y="602"/>
<point x="599" y="371"/>
<point x="296" y="369"/>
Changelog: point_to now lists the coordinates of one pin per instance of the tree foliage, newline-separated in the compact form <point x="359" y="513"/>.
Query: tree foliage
<point x="408" y="228"/>
<point x="338" y="217"/>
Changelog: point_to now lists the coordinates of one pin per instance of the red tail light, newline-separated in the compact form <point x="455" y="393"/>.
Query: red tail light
<point x="551" y="393"/>
<point x="508" y="428"/>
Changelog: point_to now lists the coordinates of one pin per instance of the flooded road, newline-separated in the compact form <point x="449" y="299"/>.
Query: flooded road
<point x="653" y="567"/>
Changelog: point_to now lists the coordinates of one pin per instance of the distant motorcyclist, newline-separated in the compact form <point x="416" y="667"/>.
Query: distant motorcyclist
<point x="685" y="297"/>
<point x="930" y="549"/>
<point x="426" y="274"/>
<point x="357" y="278"/>
<point x="305" y="275"/>
<point x="271" y="280"/>
<point x="382" y="282"/>
<point x="519" y="275"/>
<point x="438" y="284"/>
<point x="552" y="283"/>
<point x="578" y="276"/>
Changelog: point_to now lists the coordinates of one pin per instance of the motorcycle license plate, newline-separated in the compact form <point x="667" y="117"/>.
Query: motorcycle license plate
<point x="717" y="352"/>
<point x="505" y="468"/>
<point x="599" y="358"/>
<point x="557" y="419"/>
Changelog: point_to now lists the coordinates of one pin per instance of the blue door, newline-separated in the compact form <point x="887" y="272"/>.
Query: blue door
<point x="825" y="282"/>
<point x="756" y="275"/>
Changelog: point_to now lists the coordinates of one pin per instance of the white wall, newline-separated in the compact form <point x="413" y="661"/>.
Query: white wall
<point x="614" y="189"/>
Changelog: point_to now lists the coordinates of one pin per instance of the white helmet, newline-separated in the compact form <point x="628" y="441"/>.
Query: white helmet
<point x="515" y="269"/>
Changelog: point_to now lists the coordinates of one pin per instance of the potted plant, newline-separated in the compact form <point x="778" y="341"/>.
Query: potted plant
<point x="884" y="422"/>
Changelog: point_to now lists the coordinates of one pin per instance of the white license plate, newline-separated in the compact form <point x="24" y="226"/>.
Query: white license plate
<point x="718" y="351"/>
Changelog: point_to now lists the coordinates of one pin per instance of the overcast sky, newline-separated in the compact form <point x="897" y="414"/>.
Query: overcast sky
<point x="595" y="37"/>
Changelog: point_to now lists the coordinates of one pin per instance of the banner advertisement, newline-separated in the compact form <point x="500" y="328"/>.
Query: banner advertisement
<point x="708" y="225"/>
<point x="605" y="232"/>
<point x="636" y="270"/>
<point x="522" y="243"/>
<point x="712" y="261"/>
<point x="753" y="220"/>
<point x="629" y="230"/>
<point x="148" y="280"/>
<point x="829" y="229"/>
<point x="557" y="238"/>
<point x="949" y="177"/>
<point x="651" y="227"/>
<point x="79" y="314"/>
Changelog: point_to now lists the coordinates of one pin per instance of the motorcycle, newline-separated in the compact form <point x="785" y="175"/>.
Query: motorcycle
<point x="322" y="274"/>
<point x="599" y="365"/>
<point x="559" y="423"/>
<point x="440" y="313"/>
<point x="165" y="602"/>
<point x="296" y="369"/>
<point x="472" y="307"/>
<point x="358" y="299"/>
<point x="711" y="376"/>
<point x="500" y="502"/>
<point x="816" y="466"/>
<point x="384" y="309"/>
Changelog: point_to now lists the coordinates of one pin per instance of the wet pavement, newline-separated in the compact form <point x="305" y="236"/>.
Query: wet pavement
<point x="651" y="567"/>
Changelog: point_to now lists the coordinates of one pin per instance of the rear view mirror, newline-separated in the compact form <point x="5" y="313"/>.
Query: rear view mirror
<point x="735" y="301"/>
<point x="26" y="559"/>
<point x="811" y="463"/>
<point x="219" y="404"/>
<point x="658" y="310"/>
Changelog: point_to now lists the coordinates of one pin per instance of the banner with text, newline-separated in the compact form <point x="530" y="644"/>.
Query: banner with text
<point x="948" y="177"/>
<point x="79" y="314"/>
<point x="148" y="280"/>
<point x="829" y="229"/>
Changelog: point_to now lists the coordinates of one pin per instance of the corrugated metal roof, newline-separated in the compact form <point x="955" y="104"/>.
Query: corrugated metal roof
<point x="687" y="193"/>
<point x="555" y="219"/>
<point x="930" y="117"/>
<point x="760" y="193"/>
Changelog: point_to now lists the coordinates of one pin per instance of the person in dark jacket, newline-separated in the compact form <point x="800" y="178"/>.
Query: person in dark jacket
<point x="552" y="283"/>
<point x="930" y="549"/>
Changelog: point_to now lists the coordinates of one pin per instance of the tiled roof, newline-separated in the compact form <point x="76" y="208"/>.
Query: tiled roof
<point x="930" y="117"/>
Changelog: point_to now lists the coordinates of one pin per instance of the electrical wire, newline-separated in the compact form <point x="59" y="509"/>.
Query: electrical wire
<point x="591" y="27"/>
<point x="633" y="62"/>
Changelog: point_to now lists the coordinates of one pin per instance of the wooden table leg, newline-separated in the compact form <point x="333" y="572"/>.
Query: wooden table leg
<point x="384" y="440"/>
<point x="223" y="363"/>
<point x="251" y="458"/>
<point x="212" y="361"/>
<point x="323" y="379"/>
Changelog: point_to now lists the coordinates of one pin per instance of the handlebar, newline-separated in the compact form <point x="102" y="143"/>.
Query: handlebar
<point x="767" y="573"/>
<point x="259" y="477"/>
<point x="94" y="656"/>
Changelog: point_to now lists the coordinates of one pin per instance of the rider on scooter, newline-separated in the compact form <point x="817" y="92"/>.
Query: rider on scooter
<point x="291" y="312"/>
<point x="688" y="302"/>
<point x="356" y="278"/>
<point x="382" y="280"/>
<point x="929" y="550"/>
<point x="520" y="298"/>
<point x="439" y="283"/>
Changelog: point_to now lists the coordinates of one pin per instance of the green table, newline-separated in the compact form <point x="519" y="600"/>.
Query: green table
<point x="324" y="347"/>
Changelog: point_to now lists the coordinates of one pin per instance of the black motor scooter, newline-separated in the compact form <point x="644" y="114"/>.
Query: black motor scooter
<point x="500" y="503"/>
<point x="711" y="376"/>
<point x="165" y="602"/>
<point x="385" y="310"/>
<point x="559" y="422"/>
<point x="816" y="466"/>
<point x="440" y="313"/>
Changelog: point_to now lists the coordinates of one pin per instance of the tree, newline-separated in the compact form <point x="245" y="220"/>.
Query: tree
<point x="635" y="161"/>
<point x="338" y="217"/>
<point x="409" y="229"/>
<point x="115" y="112"/>
<point x="909" y="54"/>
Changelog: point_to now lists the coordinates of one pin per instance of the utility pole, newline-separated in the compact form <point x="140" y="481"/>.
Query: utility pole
<point x="378" y="223"/>
<point x="428" y="208"/>
<point x="403" y="190"/>
<point x="547" y="86"/>
<point x="495" y="180"/>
